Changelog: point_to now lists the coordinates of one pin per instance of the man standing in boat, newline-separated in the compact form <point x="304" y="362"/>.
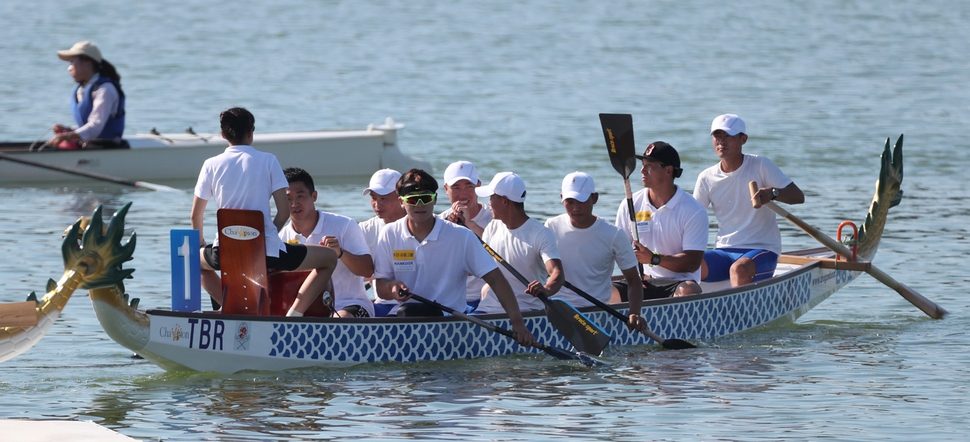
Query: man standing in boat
<point x="308" y="225"/>
<point x="748" y="239"/>
<point x="245" y="178"/>
<point x="672" y="226"/>
<point x="527" y="245"/>
<point x="98" y="103"/>
<point x="589" y="247"/>
<point x="423" y="254"/>
<point x="387" y="208"/>
<point x="461" y="180"/>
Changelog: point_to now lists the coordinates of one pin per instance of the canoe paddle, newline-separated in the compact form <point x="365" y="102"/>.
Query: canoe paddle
<point x="578" y="329"/>
<point x="670" y="344"/>
<point x="18" y="314"/>
<point x="97" y="176"/>
<point x="618" y="132"/>
<point x="556" y="352"/>
<point x="929" y="307"/>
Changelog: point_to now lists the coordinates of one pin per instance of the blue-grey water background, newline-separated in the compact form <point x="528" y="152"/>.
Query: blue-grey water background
<point x="518" y="86"/>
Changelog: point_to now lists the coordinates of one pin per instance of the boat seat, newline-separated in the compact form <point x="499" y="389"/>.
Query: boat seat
<point x="242" y="258"/>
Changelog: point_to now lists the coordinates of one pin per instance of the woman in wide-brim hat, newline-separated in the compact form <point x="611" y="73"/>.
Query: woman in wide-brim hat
<point x="98" y="103"/>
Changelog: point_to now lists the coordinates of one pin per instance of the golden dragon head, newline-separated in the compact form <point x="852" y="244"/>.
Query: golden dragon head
<point x="98" y="256"/>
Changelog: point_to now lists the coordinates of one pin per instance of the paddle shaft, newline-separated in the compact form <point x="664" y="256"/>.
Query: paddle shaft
<point x="93" y="175"/>
<point x="509" y="267"/>
<point x="18" y="314"/>
<point x="929" y="307"/>
<point x="633" y="218"/>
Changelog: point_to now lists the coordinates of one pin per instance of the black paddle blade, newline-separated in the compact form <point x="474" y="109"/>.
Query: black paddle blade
<point x="579" y="330"/>
<point x="566" y="355"/>
<point x="677" y="344"/>
<point x="618" y="132"/>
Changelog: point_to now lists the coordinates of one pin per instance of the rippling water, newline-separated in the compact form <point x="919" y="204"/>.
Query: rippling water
<point x="518" y="87"/>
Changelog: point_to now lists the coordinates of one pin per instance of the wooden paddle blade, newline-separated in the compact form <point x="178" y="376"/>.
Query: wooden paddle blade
<point x="677" y="344"/>
<point x="618" y="132"/>
<point x="579" y="330"/>
<point x="18" y="314"/>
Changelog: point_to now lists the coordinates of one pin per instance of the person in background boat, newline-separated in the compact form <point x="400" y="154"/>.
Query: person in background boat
<point x="589" y="247"/>
<point x="387" y="208"/>
<point x="430" y="257"/>
<point x="672" y="226"/>
<point x="245" y="178"/>
<point x="524" y="243"/>
<point x="308" y="225"/>
<point x="748" y="239"/>
<point x="461" y="180"/>
<point x="98" y="103"/>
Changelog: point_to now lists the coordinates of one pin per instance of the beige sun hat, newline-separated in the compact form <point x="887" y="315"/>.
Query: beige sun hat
<point x="81" y="48"/>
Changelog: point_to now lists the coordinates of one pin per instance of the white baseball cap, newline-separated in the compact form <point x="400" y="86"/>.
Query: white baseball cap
<point x="505" y="184"/>
<point x="730" y="123"/>
<point x="461" y="170"/>
<point x="85" y="48"/>
<point x="578" y="186"/>
<point x="383" y="182"/>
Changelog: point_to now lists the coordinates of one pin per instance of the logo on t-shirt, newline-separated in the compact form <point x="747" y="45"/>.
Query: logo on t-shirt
<point x="404" y="260"/>
<point x="644" y="216"/>
<point x="244" y="233"/>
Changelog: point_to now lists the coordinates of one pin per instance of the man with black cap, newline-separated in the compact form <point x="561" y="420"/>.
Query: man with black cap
<point x="672" y="226"/>
<point x="748" y="239"/>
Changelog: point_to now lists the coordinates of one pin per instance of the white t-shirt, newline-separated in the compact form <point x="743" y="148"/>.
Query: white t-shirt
<point x="435" y="268"/>
<point x="681" y="224"/>
<point x="348" y="288"/>
<point x="474" y="285"/>
<point x="244" y="178"/>
<point x="527" y="249"/>
<point x="371" y="228"/>
<point x="588" y="256"/>
<point x="739" y="224"/>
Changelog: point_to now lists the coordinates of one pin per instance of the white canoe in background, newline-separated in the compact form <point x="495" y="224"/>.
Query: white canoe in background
<point x="180" y="156"/>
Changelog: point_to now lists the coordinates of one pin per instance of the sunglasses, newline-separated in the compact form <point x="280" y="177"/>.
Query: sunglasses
<point x="422" y="199"/>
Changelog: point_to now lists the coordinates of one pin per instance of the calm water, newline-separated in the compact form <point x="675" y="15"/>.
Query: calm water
<point x="518" y="87"/>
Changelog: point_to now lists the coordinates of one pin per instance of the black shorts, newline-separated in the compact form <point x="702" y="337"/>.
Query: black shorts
<point x="288" y="260"/>
<point x="655" y="288"/>
<point x="356" y="311"/>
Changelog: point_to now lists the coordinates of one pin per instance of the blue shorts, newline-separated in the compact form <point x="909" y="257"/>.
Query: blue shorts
<point x="719" y="263"/>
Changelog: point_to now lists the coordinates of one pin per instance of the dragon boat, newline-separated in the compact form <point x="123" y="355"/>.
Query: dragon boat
<point x="217" y="342"/>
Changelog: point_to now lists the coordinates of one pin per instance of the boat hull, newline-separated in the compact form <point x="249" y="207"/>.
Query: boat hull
<point x="223" y="343"/>
<point x="180" y="156"/>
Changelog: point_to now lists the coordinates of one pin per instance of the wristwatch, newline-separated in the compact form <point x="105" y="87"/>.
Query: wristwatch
<point x="655" y="259"/>
<point x="774" y="193"/>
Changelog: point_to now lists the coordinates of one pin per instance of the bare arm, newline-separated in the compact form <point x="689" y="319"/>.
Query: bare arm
<point x="360" y="265"/>
<point x="388" y="289"/>
<point x="198" y="215"/>
<point x="282" y="208"/>
<point x="789" y="194"/>
<point x="686" y="261"/>
<point x="552" y="284"/>
<point x="500" y="286"/>
<point x="634" y="294"/>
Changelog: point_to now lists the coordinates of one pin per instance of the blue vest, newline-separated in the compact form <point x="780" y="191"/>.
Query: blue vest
<point x="116" y="123"/>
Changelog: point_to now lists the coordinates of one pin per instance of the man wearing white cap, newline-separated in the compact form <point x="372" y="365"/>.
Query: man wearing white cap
<point x="748" y="239"/>
<point x="98" y="103"/>
<point x="523" y="242"/>
<point x="461" y="180"/>
<point x="387" y="208"/>
<point x="589" y="247"/>
<point x="672" y="226"/>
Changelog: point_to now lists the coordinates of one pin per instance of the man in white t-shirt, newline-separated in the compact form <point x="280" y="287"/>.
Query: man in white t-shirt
<point x="672" y="226"/>
<point x="341" y="234"/>
<point x="524" y="243"/>
<point x="428" y="256"/>
<point x="748" y="239"/>
<point x="461" y="180"/>
<point x="387" y="208"/>
<point x="245" y="178"/>
<point x="589" y="247"/>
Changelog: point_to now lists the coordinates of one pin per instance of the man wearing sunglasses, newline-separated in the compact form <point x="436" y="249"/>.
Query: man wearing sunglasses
<point x="525" y="243"/>
<point x="423" y="254"/>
